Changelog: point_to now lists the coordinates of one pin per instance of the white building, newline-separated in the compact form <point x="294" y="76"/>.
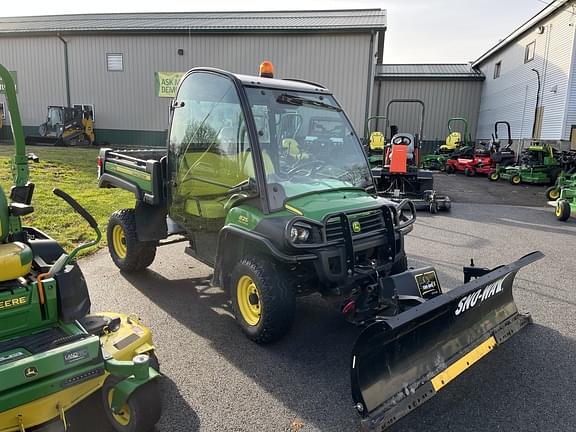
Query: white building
<point x="531" y="79"/>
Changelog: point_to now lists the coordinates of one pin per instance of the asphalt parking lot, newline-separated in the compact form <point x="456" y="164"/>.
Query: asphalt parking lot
<point x="217" y="380"/>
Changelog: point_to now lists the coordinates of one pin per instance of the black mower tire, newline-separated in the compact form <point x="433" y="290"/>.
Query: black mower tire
<point x="469" y="172"/>
<point x="277" y="299"/>
<point x="552" y="193"/>
<point x="137" y="255"/>
<point x="516" y="180"/>
<point x="144" y="406"/>
<point x="450" y="169"/>
<point x="494" y="176"/>
<point x="562" y="210"/>
<point x="433" y="207"/>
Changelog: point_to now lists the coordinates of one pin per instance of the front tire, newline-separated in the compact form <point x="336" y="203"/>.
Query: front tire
<point x="562" y="210"/>
<point x="552" y="193"/>
<point x="450" y="169"/>
<point x="128" y="253"/>
<point x="263" y="303"/>
<point x="141" y="411"/>
<point x="469" y="172"/>
<point x="494" y="176"/>
<point x="516" y="179"/>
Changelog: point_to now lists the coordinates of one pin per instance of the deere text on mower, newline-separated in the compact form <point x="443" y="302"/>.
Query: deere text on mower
<point x="485" y="158"/>
<point x="399" y="176"/>
<point x="267" y="182"/>
<point x="52" y="353"/>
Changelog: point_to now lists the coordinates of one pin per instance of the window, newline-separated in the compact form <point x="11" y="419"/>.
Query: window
<point x="497" y="68"/>
<point x="529" y="52"/>
<point x="115" y="62"/>
<point x="86" y="110"/>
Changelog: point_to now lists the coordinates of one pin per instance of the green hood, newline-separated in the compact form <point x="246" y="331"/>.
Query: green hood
<point x="316" y="206"/>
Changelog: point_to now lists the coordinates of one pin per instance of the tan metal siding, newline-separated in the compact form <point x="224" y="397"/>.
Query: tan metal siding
<point x="443" y="100"/>
<point x="39" y="63"/>
<point x="126" y="100"/>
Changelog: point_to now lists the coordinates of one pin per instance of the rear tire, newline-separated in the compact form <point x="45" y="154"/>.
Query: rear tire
<point x="552" y="193"/>
<point x="128" y="253"/>
<point x="263" y="303"/>
<point x="562" y="210"/>
<point x="450" y="169"/>
<point x="494" y="176"/>
<point x="141" y="411"/>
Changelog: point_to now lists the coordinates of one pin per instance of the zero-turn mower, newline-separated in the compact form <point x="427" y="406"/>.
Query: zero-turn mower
<point x="483" y="158"/>
<point x="566" y="203"/>
<point x="53" y="353"/>
<point x="66" y="126"/>
<point x="456" y="144"/>
<point x="280" y="219"/>
<point x="399" y="176"/>
<point x="538" y="164"/>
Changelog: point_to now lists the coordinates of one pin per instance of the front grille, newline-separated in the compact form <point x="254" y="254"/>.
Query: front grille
<point x="368" y="222"/>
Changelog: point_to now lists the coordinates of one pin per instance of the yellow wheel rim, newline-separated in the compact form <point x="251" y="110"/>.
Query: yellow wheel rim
<point x="516" y="179"/>
<point x="123" y="416"/>
<point x="119" y="241"/>
<point x="554" y="194"/>
<point x="558" y="210"/>
<point x="248" y="300"/>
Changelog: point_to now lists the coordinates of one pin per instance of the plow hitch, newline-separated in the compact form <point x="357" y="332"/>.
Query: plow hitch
<point x="400" y="362"/>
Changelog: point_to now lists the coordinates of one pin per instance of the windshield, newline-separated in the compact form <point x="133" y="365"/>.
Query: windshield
<point x="307" y="144"/>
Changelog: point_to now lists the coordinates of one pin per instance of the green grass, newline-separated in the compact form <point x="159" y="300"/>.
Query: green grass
<point x="74" y="171"/>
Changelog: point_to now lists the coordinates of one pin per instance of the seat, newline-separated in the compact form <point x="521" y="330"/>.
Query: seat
<point x="377" y="141"/>
<point x="15" y="260"/>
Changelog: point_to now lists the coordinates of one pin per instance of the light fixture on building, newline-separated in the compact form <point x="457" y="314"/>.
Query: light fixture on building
<point x="554" y="89"/>
<point x="180" y="51"/>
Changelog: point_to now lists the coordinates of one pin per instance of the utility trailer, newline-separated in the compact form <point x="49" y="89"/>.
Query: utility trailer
<point x="267" y="182"/>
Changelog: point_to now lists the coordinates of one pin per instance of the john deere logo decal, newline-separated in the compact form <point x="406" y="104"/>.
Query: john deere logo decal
<point x="356" y="227"/>
<point x="30" y="372"/>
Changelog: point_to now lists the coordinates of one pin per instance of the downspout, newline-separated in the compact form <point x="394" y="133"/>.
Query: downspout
<point x="537" y="104"/>
<point x="370" y="83"/>
<point x="66" y="70"/>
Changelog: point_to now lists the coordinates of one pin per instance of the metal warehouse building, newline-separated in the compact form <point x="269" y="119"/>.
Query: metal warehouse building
<point x="447" y="90"/>
<point x="122" y="64"/>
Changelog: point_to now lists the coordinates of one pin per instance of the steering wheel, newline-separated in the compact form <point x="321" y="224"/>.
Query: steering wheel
<point x="316" y="165"/>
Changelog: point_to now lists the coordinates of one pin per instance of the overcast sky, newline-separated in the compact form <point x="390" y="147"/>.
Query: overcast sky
<point x="419" y="31"/>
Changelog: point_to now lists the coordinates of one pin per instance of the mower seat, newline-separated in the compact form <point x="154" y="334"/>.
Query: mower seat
<point x="377" y="141"/>
<point x="15" y="260"/>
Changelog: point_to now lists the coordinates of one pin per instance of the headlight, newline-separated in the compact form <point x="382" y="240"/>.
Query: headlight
<point x="299" y="234"/>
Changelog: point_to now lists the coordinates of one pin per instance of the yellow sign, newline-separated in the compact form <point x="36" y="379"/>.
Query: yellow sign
<point x="167" y="83"/>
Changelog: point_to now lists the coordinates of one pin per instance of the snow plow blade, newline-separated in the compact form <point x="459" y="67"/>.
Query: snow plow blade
<point x="398" y="363"/>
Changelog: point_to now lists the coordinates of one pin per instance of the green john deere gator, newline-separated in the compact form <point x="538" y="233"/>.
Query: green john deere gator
<point x="267" y="182"/>
<point x="53" y="354"/>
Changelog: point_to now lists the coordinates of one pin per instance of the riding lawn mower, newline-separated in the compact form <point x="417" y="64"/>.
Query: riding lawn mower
<point x="53" y="352"/>
<point x="484" y="159"/>
<point x="457" y="144"/>
<point x="399" y="176"/>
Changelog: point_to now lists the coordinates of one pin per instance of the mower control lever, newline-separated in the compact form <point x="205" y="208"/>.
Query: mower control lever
<point x="79" y="209"/>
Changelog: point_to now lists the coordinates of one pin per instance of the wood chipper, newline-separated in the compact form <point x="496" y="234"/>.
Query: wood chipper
<point x="53" y="352"/>
<point x="400" y="176"/>
<point x="276" y="224"/>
